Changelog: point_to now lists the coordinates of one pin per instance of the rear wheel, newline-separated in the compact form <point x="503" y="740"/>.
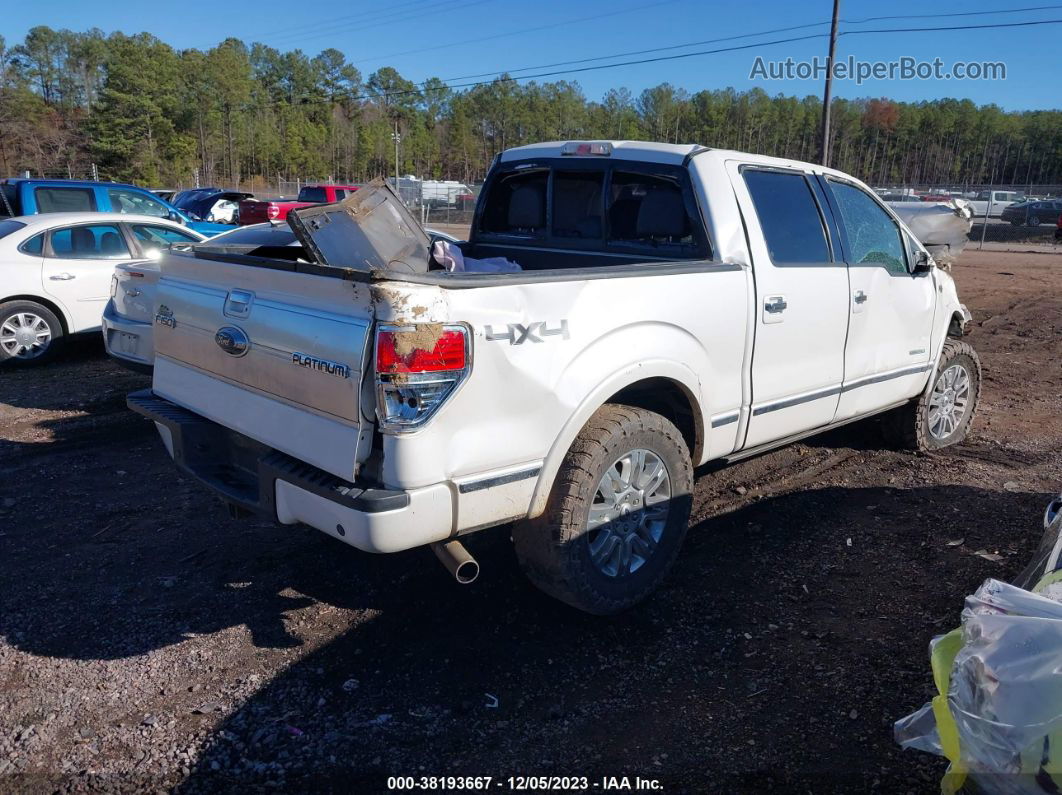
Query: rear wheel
<point x="29" y="333"/>
<point x="1034" y="220"/>
<point x="616" y="516"/>
<point x="942" y="414"/>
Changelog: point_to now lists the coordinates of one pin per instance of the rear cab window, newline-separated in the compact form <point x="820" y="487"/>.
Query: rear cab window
<point x="64" y="200"/>
<point x="312" y="194"/>
<point x="616" y="206"/>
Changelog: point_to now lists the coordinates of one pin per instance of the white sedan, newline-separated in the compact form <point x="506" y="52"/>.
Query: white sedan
<point x="56" y="271"/>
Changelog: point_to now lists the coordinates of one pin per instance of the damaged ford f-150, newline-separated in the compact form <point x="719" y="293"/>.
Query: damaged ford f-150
<point x="669" y="306"/>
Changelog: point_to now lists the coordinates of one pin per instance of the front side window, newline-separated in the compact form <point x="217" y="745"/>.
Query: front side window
<point x="134" y="202"/>
<point x="789" y="217"/>
<point x="159" y="237"/>
<point x="517" y="204"/>
<point x="93" y="241"/>
<point x="873" y="237"/>
<point x="65" y="200"/>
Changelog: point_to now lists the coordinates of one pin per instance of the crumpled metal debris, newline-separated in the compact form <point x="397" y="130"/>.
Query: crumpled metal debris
<point x="942" y="227"/>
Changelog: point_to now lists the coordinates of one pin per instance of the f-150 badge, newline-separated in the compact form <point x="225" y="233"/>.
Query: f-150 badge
<point x="518" y="333"/>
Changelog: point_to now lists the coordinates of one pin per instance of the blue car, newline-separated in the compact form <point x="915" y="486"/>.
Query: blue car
<point x="33" y="196"/>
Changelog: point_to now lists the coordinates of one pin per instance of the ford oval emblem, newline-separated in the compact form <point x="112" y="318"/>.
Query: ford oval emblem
<point x="232" y="340"/>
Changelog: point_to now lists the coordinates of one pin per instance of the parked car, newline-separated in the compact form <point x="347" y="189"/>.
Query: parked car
<point x="32" y="196"/>
<point x="55" y="273"/>
<point x="676" y="305"/>
<point x="1058" y="229"/>
<point x="214" y="204"/>
<point x="990" y="203"/>
<point x="166" y="194"/>
<point x="256" y="212"/>
<point x="1032" y="213"/>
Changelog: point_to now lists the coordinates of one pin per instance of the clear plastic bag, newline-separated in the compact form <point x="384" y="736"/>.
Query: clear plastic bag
<point x="998" y="715"/>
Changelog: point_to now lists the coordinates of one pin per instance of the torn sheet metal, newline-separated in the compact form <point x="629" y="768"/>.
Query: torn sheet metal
<point x="370" y="230"/>
<point x="942" y="227"/>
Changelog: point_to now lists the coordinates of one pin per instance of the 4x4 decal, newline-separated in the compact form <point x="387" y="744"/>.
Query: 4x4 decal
<point x="518" y="333"/>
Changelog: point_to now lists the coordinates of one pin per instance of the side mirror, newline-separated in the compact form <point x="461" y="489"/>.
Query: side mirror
<point x="176" y="217"/>
<point x="922" y="262"/>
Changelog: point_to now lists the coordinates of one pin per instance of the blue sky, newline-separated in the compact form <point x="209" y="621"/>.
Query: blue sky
<point x="455" y="38"/>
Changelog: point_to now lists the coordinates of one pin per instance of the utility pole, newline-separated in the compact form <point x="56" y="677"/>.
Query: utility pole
<point x="826" y="99"/>
<point x="396" y="137"/>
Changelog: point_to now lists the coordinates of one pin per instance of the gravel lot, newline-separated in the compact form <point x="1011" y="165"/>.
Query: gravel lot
<point x="148" y="641"/>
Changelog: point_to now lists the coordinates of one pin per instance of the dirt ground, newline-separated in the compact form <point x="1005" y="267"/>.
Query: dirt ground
<point x="149" y="641"/>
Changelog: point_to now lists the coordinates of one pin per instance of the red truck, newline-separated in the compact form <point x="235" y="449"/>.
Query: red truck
<point x="257" y="212"/>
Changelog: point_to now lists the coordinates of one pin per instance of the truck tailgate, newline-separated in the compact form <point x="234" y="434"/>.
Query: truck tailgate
<point x="277" y="355"/>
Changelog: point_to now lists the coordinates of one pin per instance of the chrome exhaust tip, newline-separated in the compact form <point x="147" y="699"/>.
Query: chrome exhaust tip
<point x="454" y="556"/>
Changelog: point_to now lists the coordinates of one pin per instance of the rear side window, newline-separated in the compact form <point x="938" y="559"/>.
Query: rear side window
<point x="517" y="205"/>
<point x="35" y="245"/>
<point x="65" y="200"/>
<point x="312" y="195"/>
<point x="789" y="217"/>
<point x="873" y="237"/>
<point x="95" y="241"/>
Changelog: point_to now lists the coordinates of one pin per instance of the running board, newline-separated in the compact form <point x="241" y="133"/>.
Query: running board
<point x="741" y="455"/>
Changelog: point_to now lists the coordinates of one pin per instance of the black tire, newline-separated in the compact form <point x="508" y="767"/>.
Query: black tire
<point x="1034" y="220"/>
<point x="910" y="427"/>
<point x="554" y="549"/>
<point x="11" y="313"/>
<point x="1017" y="222"/>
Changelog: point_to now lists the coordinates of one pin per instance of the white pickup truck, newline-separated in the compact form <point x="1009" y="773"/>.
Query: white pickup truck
<point x="676" y="305"/>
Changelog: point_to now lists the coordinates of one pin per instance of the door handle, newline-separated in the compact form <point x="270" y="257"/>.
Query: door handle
<point x="62" y="277"/>
<point x="775" y="305"/>
<point x="860" y="297"/>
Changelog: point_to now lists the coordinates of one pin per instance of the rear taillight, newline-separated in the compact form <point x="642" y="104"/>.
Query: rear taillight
<point x="418" y="367"/>
<point x="272" y="211"/>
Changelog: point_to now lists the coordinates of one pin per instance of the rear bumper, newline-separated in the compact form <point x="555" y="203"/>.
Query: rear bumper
<point x="129" y="341"/>
<point x="272" y="484"/>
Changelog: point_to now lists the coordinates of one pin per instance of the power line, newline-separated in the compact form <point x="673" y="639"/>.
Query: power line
<point x="518" y="32"/>
<point x="993" y="26"/>
<point x="644" y="52"/>
<point x="447" y="6"/>
<point x="407" y="92"/>
<point x="361" y="17"/>
<point x="744" y="36"/>
<point x="951" y="14"/>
